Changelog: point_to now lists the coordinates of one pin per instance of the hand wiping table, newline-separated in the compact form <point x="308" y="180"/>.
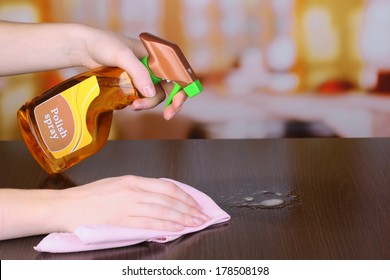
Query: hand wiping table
<point x="96" y="237"/>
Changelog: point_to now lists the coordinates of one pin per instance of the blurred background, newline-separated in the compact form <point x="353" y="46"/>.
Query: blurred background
<point x="270" y="68"/>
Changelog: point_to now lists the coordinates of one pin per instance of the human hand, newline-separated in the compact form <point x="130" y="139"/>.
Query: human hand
<point x="103" y="48"/>
<point x="128" y="201"/>
<point x="36" y="47"/>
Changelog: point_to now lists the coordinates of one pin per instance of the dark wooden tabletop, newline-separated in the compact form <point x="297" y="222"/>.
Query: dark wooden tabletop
<point x="331" y="196"/>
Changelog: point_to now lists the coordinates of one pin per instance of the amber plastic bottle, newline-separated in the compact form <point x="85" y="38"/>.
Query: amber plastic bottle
<point x="72" y="121"/>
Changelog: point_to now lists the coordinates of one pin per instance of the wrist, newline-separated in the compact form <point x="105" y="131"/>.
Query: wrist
<point x="28" y="212"/>
<point x="49" y="210"/>
<point x="78" y="35"/>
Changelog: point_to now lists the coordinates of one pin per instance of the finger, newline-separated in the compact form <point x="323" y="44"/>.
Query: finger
<point x="164" y="187"/>
<point x="157" y="211"/>
<point x="172" y="203"/>
<point x="129" y="62"/>
<point x="179" y="99"/>
<point x="147" y="103"/>
<point x="176" y="105"/>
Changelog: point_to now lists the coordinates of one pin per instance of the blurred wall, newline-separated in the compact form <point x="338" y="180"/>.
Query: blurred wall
<point x="282" y="47"/>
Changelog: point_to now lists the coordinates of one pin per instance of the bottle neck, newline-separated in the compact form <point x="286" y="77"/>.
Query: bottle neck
<point x="116" y="89"/>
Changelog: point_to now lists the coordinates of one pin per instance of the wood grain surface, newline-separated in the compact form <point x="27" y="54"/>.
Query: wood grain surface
<point x="331" y="196"/>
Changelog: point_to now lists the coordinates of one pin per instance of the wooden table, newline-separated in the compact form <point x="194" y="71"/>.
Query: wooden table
<point x="336" y="195"/>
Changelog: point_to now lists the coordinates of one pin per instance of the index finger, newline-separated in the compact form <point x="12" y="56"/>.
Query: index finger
<point x="177" y="103"/>
<point x="165" y="187"/>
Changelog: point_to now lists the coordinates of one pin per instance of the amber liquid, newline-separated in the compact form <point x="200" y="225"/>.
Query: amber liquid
<point x="116" y="92"/>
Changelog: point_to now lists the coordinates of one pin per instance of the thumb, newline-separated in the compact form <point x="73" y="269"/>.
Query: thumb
<point x="138" y="72"/>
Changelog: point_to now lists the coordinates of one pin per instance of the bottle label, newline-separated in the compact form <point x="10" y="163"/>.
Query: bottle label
<point x="62" y="119"/>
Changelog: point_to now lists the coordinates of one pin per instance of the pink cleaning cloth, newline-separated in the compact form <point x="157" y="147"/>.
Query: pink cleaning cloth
<point x="96" y="237"/>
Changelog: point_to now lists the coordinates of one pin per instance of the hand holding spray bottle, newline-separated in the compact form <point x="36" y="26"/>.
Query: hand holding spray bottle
<point x="72" y="120"/>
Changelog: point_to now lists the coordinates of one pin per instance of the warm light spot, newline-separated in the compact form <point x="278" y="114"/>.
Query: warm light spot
<point x="374" y="38"/>
<point x="320" y="36"/>
<point x="22" y="12"/>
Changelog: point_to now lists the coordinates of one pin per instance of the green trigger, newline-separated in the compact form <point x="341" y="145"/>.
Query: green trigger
<point x="175" y="90"/>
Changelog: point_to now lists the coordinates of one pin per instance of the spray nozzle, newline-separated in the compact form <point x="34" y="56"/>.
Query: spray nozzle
<point x="165" y="61"/>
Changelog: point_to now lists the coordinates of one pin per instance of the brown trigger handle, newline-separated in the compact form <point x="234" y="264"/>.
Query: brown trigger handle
<point x="167" y="61"/>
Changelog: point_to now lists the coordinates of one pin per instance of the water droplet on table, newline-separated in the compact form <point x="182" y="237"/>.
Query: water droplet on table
<point x="265" y="200"/>
<point x="269" y="202"/>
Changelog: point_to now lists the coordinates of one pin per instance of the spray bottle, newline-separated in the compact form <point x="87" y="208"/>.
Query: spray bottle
<point x="72" y="120"/>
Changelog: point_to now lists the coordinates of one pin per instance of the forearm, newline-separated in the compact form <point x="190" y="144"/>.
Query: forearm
<point x="28" y="212"/>
<point x="34" y="47"/>
<point x="31" y="47"/>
